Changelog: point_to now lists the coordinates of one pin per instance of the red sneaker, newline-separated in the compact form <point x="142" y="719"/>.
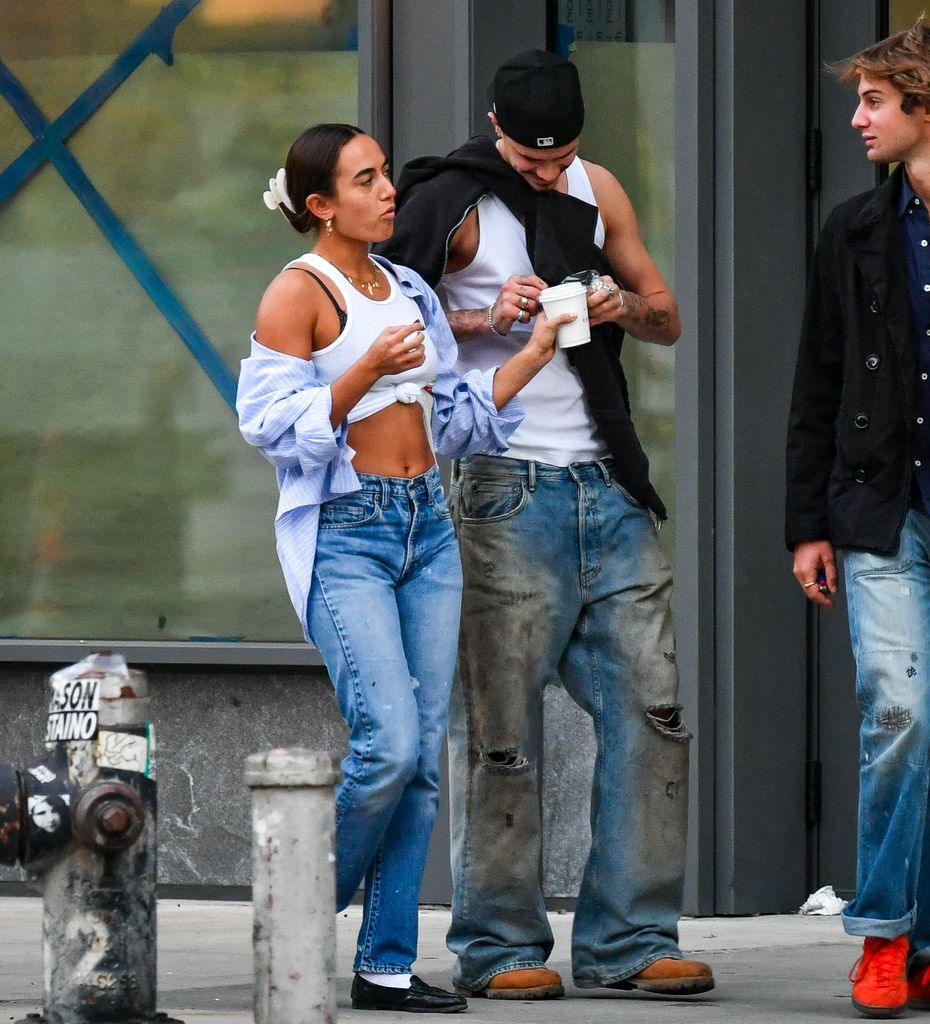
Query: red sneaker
<point x="880" y="987"/>
<point x="918" y="989"/>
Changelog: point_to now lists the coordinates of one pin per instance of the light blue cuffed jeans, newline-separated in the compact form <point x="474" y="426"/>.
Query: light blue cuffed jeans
<point x="888" y="598"/>
<point x="563" y="573"/>
<point x="384" y="612"/>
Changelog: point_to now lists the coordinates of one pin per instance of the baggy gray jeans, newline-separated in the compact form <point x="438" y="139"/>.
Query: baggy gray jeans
<point x="563" y="573"/>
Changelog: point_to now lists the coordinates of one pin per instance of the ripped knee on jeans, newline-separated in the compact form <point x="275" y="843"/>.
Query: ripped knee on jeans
<point x="510" y="757"/>
<point x="667" y="719"/>
<point x="894" y="719"/>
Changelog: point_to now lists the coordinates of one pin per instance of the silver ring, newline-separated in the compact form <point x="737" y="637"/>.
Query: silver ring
<point x="611" y="291"/>
<point x="523" y="316"/>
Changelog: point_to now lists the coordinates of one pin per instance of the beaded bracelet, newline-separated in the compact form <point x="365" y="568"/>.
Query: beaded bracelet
<point x="491" y="322"/>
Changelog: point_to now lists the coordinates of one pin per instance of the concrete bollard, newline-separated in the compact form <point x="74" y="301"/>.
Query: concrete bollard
<point x="293" y="885"/>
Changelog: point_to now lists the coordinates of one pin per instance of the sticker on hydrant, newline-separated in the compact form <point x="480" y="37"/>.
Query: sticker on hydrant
<point x="122" y="750"/>
<point x="72" y="714"/>
<point x="74" y="709"/>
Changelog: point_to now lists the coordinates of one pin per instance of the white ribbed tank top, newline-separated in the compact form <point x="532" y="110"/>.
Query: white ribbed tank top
<point x="557" y="427"/>
<point x="365" y="319"/>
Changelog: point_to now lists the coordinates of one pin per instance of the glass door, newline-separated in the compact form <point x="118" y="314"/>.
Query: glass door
<point x="627" y="49"/>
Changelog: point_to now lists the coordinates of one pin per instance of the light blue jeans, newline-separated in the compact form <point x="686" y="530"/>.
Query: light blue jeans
<point x="889" y="624"/>
<point x="563" y="573"/>
<point x="384" y="612"/>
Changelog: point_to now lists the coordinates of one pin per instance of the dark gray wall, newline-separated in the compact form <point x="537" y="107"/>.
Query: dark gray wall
<point x="844" y="28"/>
<point x="206" y="723"/>
<point x="694" y="429"/>
<point x="760" y="229"/>
<point x="445" y="53"/>
<point x="431" y="73"/>
<point x="740" y="274"/>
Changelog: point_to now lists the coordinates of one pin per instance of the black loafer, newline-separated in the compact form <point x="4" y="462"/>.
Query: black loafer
<point x="419" y="998"/>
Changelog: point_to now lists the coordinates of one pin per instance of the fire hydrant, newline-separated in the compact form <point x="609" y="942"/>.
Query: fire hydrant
<point x="81" y="820"/>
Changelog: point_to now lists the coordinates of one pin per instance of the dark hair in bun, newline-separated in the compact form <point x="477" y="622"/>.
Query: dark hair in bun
<point x="311" y="167"/>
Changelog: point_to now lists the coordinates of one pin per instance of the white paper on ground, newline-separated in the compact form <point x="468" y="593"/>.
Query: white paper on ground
<point x="822" y="903"/>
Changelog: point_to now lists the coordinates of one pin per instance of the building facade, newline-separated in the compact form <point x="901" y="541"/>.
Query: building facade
<point x="135" y="142"/>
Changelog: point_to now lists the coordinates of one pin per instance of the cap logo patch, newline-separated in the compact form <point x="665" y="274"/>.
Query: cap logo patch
<point x="547" y="140"/>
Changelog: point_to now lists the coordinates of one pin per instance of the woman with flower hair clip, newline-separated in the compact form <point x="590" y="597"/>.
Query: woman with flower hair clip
<point x="349" y="388"/>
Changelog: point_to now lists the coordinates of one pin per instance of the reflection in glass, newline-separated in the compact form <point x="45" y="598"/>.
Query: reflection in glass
<point x="625" y="55"/>
<point x="129" y="506"/>
<point x="903" y="13"/>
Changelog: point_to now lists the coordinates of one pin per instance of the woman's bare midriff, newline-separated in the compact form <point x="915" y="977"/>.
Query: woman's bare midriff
<point x="392" y="442"/>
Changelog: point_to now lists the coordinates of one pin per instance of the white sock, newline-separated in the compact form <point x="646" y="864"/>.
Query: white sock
<point x="386" y="980"/>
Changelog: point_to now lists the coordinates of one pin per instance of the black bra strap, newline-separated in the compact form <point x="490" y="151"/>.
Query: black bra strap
<point x="340" y="312"/>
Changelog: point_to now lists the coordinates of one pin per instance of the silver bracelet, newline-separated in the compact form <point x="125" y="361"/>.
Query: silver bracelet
<point x="491" y="321"/>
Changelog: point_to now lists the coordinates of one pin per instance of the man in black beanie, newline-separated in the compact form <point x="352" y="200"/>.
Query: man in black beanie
<point x="563" y="571"/>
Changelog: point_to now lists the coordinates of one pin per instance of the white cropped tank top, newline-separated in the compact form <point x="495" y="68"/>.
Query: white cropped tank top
<point x="557" y="427"/>
<point x="365" y="319"/>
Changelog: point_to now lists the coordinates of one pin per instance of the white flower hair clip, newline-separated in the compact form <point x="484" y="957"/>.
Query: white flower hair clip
<point x="277" y="196"/>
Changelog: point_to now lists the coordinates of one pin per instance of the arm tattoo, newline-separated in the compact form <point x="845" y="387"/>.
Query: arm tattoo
<point x="467" y="323"/>
<point x="657" y="317"/>
<point x="640" y="311"/>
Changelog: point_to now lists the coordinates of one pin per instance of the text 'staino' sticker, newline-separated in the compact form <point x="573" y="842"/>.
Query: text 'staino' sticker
<point x="73" y="712"/>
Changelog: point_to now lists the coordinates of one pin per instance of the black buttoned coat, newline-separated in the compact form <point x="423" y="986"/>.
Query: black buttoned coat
<point x="854" y="407"/>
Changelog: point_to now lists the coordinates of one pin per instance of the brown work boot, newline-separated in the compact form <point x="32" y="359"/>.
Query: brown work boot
<point x="671" y="977"/>
<point x="528" y="983"/>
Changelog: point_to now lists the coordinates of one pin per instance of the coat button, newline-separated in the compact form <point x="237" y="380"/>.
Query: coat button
<point x="860" y="476"/>
<point x="873" y="305"/>
<point x="872" y="362"/>
<point x="862" y="421"/>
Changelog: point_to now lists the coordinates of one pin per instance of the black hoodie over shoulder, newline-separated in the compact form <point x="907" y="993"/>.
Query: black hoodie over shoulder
<point x="433" y="196"/>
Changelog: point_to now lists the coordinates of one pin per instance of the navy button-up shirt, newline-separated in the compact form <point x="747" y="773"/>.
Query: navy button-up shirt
<point x="916" y="227"/>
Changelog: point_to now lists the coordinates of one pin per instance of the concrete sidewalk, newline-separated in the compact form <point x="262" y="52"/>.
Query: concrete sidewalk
<point x="779" y="968"/>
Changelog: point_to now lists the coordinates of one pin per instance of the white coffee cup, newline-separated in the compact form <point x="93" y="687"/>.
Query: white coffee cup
<point x="571" y="297"/>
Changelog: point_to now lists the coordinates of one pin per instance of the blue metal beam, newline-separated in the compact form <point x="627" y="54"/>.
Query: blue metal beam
<point x="50" y="146"/>
<point x="157" y="38"/>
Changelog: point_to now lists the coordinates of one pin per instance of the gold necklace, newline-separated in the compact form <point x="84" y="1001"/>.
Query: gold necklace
<point x="370" y="286"/>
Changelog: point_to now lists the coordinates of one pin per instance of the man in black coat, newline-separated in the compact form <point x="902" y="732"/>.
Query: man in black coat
<point x="859" y="479"/>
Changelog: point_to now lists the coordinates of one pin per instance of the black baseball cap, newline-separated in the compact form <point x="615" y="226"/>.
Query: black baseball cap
<point x="536" y="97"/>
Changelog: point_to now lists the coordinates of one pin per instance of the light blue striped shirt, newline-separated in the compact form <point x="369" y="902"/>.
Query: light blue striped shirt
<point x="284" y="412"/>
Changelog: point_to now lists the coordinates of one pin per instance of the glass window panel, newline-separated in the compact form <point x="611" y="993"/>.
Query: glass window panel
<point x="57" y="49"/>
<point x="903" y="13"/>
<point x="14" y="136"/>
<point x="213" y="128"/>
<point x="130" y="508"/>
<point x="625" y="54"/>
